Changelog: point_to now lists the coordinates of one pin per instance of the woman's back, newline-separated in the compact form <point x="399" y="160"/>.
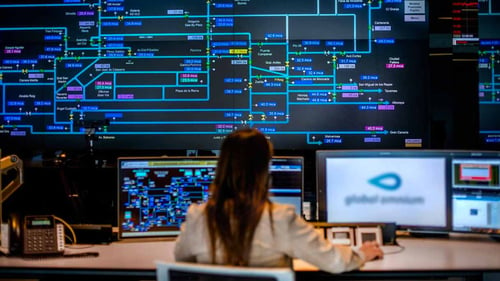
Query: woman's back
<point x="273" y="245"/>
<point x="239" y="225"/>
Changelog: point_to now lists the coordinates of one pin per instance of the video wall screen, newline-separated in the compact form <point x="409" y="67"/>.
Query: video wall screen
<point x="143" y="74"/>
<point x="489" y="73"/>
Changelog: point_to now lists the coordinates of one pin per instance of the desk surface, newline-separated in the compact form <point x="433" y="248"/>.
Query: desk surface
<point x="416" y="254"/>
<point x="425" y="254"/>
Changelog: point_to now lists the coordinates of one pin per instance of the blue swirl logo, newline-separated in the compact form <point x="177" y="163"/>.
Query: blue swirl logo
<point x="387" y="181"/>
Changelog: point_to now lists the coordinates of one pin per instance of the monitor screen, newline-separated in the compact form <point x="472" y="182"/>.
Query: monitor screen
<point x="409" y="188"/>
<point x="287" y="181"/>
<point x="476" y="193"/>
<point x="145" y="75"/>
<point x="154" y="193"/>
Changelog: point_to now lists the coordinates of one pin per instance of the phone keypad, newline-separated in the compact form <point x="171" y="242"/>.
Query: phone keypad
<point x="39" y="241"/>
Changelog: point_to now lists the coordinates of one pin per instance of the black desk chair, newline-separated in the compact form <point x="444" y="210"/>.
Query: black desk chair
<point x="180" y="271"/>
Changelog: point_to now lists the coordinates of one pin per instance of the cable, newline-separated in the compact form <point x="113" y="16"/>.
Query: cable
<point x="76" y="247"/>
<point x="68" y="226"/>
<point x="69" y="238"/>
<point x="57" y="256"/>
<point x="401" y="248"/>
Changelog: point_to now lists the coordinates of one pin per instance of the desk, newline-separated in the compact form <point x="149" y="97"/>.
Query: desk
<point x="421" y="258"/>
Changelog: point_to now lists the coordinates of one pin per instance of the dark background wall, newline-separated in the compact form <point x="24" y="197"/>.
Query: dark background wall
<point x="81" y="187"/>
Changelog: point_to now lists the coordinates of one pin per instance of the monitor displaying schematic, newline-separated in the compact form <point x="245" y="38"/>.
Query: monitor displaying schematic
<point x="154" y="193"/>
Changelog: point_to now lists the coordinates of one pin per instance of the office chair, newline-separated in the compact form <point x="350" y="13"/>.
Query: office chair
<point x="177" y="271"/>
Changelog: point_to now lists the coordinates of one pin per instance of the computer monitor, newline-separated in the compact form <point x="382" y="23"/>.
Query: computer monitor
<point x="476" y="193"/>
<point x="287" y="181"/>
<point x="154" y="193"/>
<point x="406" y="187"/>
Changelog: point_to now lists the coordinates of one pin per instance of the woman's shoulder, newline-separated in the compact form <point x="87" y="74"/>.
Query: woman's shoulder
<point x="196" y="210"/>
<point x="279" y="210"/>
<point x="283" y="210"/>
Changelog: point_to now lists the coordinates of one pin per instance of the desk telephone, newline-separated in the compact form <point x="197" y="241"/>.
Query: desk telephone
<point x="35" y="235"/>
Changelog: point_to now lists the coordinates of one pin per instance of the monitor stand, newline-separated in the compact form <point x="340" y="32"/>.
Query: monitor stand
<point x="428" y="234"/>
<point x="495" y="237"/>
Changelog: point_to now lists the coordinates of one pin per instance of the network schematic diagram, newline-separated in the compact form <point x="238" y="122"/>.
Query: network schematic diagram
<point x="182" y="74"/>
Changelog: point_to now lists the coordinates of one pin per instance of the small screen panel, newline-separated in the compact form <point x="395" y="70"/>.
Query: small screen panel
<point x="287" y="181"/>
<point x="476" y="194"/>
<point x="408" y="188"/>
<point x="154" y="193"/>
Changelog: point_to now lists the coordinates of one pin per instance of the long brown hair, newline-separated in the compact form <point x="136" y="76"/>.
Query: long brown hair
<point x="239" y="194"/>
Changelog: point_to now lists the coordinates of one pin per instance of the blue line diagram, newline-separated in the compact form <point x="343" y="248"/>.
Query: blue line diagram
<point x="489" y="71"/>
<point x="182" y="74"/>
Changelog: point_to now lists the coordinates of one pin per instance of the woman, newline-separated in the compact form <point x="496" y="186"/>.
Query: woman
<point x="239" y="225"/>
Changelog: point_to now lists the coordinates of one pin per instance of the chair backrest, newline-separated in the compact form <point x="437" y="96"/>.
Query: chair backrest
<point x="176" y="271"/>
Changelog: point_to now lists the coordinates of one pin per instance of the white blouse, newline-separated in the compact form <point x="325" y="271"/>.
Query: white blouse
<point x="293" y="238"/>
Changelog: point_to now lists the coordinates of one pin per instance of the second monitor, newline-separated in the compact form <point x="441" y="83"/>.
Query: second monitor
<point x="155" y="192"/>
<point x="408" y="188"/>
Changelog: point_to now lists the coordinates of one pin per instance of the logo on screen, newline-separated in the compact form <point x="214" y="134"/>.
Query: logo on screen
<point x="387" y="181"/>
